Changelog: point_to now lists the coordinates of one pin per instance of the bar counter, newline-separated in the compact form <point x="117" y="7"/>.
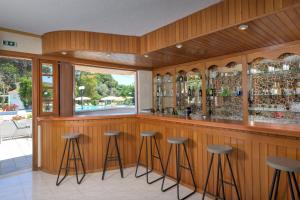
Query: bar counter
<point x="252" y="144"/>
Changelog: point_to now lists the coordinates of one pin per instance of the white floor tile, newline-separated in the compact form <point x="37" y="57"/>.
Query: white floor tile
<point x="41" y="186"/>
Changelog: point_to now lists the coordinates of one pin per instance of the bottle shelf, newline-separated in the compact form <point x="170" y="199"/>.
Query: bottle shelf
<point x="276" y="85"/>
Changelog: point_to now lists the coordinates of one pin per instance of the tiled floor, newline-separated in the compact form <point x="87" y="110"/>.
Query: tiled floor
<point x="29" y="185"/>
<point x="15" y="155"/>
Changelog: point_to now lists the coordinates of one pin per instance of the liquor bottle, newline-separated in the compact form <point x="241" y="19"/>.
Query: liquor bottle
<point x="189" y="93"/>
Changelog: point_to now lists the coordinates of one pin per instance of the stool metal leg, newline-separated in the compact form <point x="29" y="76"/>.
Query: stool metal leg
<point x="159" y="157"/>
<point x="277" y="184"/>
<point x="273" y="185"/>
<point x="234" y="182"/>
<point x="221" y="174"/>
<point x="106" y="156"/>
<point x="138" y="161"/>
<point x="291" y="185"/>
<point x="58" y="182"/>
<point x="119" y="157"/>
<point x="80" y="158"/>
<point x="151" y="160"/>
<point x="218" y="180"/>
<point x="178" y="174"/>
<point x="191" y="172"/>
<point x="165" y="173"/>
<point x="296" y="184"/>
<point x="207" y="178"/>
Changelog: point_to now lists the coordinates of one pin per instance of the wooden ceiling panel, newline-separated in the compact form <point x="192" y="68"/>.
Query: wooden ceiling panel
<point x="274" y="29"/>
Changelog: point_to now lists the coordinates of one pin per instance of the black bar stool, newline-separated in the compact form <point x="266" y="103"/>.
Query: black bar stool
<point x="220" y="149"/>
<point x="71" y="138"/>
<point x="290" y="167"/>
<point x="178" y="141"/>
<point x="117" y="157"/>
<point x="150" y="135"/>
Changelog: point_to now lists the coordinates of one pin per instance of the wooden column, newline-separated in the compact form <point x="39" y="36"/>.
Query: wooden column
<point x="66" y="89"/>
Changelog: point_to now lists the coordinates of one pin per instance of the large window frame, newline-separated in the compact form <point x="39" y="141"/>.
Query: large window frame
<point x="86" y="112"/>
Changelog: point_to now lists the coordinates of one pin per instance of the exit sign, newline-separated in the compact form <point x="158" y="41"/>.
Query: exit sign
<point x="9" y="43"/>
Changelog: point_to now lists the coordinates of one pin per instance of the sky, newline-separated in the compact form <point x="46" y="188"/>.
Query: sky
<point x="124" y="79"/>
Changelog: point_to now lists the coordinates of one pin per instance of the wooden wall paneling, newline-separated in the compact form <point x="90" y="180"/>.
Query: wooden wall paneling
<point x="58" y="41"/>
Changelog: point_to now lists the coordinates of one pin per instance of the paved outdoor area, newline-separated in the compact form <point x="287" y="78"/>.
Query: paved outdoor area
<point x="15" y="155"/>
<point x="41" y="186"/>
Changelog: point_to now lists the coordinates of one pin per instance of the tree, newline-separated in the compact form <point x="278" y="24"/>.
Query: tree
<point x="25" y="91"/>
<point x="8" y="76"/>
<point x="90" y="84"/>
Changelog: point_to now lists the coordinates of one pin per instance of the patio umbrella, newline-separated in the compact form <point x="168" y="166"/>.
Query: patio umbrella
<point x="112" y="98"/>
<point x="83" y="98"/>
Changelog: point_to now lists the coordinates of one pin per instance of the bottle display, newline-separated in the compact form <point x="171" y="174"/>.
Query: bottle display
<point x="167" y="100"/>
<point x="158" y="93"/>
<point x="224" y="92"/>
<point x="274" y="91"/>
<point x="189" y="92"/>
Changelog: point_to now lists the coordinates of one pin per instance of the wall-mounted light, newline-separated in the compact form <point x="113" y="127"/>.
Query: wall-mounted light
<point x="179" y="46"/>
<point x="108" y="54"/>
<point x="146" y="56"/>
<point x="64" y="53"/>
<point x="243" y="27"/>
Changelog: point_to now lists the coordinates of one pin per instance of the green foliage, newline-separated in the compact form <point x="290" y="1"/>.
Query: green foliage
<point x="25" y="91"/>
<point x="14" y="72"/>
<point x="8" y="75"/>
<point x="126" y="90"/>
<point x="89" y="81"/>
<point x="225" y="92"/>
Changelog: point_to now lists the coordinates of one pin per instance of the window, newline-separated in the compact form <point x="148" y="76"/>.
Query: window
<point x="102" y="91"/>
<point x="48" y="88"/>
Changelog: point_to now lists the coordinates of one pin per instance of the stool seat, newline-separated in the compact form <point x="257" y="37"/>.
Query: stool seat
<point x="148" y="133"/>
<point x="219" y="149"/>
<point x="112" y="133"/>
<point x="284" y="164"/>
<point x="177" y="140"/>
<point x="71" y="135"/>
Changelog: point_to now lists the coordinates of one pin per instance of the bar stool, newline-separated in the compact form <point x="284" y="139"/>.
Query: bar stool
<point x="117" y="157"/>
<point x="178" y="141"/>
<point x="71" y="138"/>
<point x="290" y="167"/>
<point x="219" y="150"/>
<point x="150" y="135"/>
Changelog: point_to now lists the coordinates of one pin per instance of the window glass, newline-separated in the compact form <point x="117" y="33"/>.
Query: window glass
<point x="102" y="91"/>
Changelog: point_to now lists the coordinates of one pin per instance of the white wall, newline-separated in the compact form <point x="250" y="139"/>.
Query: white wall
<point x="25" y="43"/>
<point x="144" y="89"/>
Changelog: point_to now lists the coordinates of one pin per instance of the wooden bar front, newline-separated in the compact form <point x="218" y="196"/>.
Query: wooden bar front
<point x="252" y="145"/>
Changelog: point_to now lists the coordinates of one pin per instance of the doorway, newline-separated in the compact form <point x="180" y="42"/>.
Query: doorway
<point x="15" y="115"/>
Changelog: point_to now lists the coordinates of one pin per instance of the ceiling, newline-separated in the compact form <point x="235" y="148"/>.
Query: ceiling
<point x="267" y="31"/>
<point x="125" y="17"/>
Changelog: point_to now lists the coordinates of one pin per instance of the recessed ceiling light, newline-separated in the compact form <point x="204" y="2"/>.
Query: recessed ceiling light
<point x="146" y="55"/>
<point x="64" y="53"/>
<point x="179" y="46"/>
<point x="243" y="27"/>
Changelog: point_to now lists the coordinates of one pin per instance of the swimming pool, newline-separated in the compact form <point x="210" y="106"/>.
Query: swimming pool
<point x="79" y="108"/>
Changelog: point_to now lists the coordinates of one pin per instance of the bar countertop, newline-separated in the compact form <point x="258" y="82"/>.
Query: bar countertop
<point x="267" y="128"/>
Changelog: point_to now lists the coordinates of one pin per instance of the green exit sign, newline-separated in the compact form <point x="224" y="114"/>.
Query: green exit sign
<point x="9" y="43"/>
